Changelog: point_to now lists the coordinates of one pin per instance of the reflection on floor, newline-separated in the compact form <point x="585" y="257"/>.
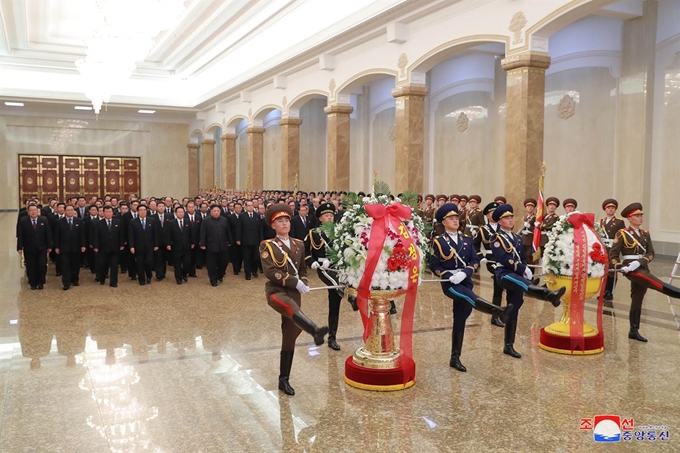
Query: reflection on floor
<point x="193" y="368"/>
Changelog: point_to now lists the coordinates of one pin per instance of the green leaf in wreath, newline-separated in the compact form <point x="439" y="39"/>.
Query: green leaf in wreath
<point x="381" y="188"/>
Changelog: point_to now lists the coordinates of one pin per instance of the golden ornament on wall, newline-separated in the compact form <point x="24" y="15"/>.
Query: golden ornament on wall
<point x="517" y="23"/>
<point x="401" y="64"/>
<point x="567" y="107"/>
<point x="463" y="122"/>
<point x="72" y="181"/>
<point x="49" y="181"/>
<point x="90" y="181"/>
<point x="112" y="181"/>
<point x="29" y="180"/>
<point x="130" y="182"/>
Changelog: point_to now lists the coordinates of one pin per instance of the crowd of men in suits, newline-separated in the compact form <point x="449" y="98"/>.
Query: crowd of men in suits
<point x="140" y="237"/>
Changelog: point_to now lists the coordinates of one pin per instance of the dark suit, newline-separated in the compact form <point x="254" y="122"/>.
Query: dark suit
<point x="143" y="241"/>
<point x="161" y="255"/>
<point x="216" y="238"/>
<point x="195" y="233"/>
<point x="69" y="240"/>
<point x="90" y="256"/>
<point x="127" y="259"/>
<point x="108" y="242"/>
<point x="180" y="241"/>
<point x="235" y="257"/>
<point x="34" y="242"/>
<point x="53" y="218"/>
<point x="81" y="213"/>
<point x="251" y="236"/>
<point x="300" y="229"/>
<point x="200" y="254"/>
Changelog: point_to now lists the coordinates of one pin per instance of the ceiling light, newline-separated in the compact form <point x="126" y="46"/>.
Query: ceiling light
<point x="82" y="107"/>
<point x="14" y="104"/>
<point x="150" y="112"/>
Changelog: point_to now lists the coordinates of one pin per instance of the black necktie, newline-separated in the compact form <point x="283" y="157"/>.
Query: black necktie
<point x="108" y="222"/>
<point x="70" y="224"/>
<point x="143" y="224"/>
<point x="304" y="222"/>
<point x="181" y="225"/>
<point x="251" y="216"/>
<point x="35" y="225"/>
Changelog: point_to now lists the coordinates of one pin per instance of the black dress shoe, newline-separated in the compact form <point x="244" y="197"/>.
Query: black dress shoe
<point x="40" y="286"/>
<point x="58" y="274"/>
<point x="75" y="284"/>
<point x="193" y="275"/>
<point x="353" y="302"/>
<point x="608" y="296"/>
<point x="148" y="281"/>
<point x="179" y="282"/>
<point x="142" y="282"/>
<point x="509" y="350"/>
<point x="455" y="363"/>
<point x="159" y="279"/>
<point x="33" y="288"/>
<point x="102" y="282"/>
<point x="66" y="287"/>
<point x="96" y="279"/>
<point x="635" y="335"/>
<point x="254" y="274"/>
<point x="185" y="278"/>
<point x="114" y="285"/>
<point x="247" y="277"/>
<point x="333" y="344"/>
<point x="221" y="280"/>
<point x="497" y="322"/>
<point x="285" y="387"/>
<point x="213" y="283"/>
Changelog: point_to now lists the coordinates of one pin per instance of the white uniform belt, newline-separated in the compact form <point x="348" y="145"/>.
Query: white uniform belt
<point x="608" y="242"/>
<point x="631" y="257"/>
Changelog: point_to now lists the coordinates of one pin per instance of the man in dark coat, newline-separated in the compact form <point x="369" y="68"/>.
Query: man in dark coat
<point x="251" y="236"/>
<point x="69" y="243"/>
<point x="34" y="241"/>
<point x="215" y="239"/>
<point x="143" y="242"/>
<point x="108" y="242"/>
<point x="180" y="242"/>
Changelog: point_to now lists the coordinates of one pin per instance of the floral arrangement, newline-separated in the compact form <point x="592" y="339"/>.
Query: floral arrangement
<point x="351" y="235"/>
<point x="559" y="251"/>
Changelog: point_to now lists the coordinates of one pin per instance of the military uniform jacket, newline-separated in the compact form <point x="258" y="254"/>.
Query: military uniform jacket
<point x="527" y="233"/>
<point x="428" y="214"/>
<point x="508" y="251"/>
<point x="630" y="246"/>
<point x="448" y="257"/>
<point x="486" y="234"/>
<point x="548" y="222"/>
<point x="283" y="266"/>
<point x="316" y="242"/>
<point x="475" y="221"/>
<point x="610" y="229"/>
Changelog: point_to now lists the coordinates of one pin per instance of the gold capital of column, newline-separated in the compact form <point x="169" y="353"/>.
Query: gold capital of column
<point x="290" y="150"/>
<point x="525" y="105"/>
<point x="337" y="149"/>
<point x="229" y="160"/>
<point x="409" y="137"/>
<point x="255" y="157"/>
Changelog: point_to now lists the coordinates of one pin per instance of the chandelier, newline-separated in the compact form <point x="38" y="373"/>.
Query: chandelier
<point x="122" y="33"/>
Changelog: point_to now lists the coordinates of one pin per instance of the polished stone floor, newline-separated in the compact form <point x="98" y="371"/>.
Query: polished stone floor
<point x="192" y="368"/>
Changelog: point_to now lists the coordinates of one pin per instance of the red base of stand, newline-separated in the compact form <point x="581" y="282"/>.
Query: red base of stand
<point x="562" y="345"/>
<point x="378" y="380"/>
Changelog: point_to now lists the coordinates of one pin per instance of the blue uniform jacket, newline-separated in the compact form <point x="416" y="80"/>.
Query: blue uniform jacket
<point x="447" y="258"/>
<point x="508" y="253"/>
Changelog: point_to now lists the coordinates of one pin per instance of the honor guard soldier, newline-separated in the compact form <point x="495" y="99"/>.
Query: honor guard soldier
<point x="569" y="205"/>
<point x="632" y="251"/>
<point x="284" y="267"/>
<point x="610" y="225"/>
<point x="454" y="259"/>
<point x="454" y="198"/>
<point x="500" y="199"/>
<point x="475" y="219"/>
<point x="513" y="275"/>
<point x="316" y="243"/>
<point x="428" y="211"/>
<point x="549" y="220"/>
<point x="486" y="234"/>
<point x="462" y="213"/>
<point x="438" y="227"/>
<point x="527" y="231"/>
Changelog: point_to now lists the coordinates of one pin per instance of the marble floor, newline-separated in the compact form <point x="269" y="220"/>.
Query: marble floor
<point x="192" y="368"/>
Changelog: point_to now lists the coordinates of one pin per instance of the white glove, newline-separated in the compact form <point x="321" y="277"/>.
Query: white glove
<point x="527" y="225"/>
<point x="483" y="261"/>
<point x="458" y="277"/>
<point x="301" y="287"/>
<point x="537" y="224"/>
<point x="528" y="274"/>
<point x="631" y="267"/>
<point x="315" y="265"/>
<point x="325" y="264"/>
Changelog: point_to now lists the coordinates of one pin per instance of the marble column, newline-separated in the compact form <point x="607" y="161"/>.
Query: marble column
<point x="228" y="160"/>
<point x="525" y="97"/>
<point x="255" y="157"/>
<point x="208" y="163"/>
<point x="192" y="167"/>
<point x="290" y="150"/>
<point x="337" y="149"/>
<point x="410" y="137"/>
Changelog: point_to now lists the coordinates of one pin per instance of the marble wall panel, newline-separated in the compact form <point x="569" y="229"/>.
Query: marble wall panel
<point x="242" y="159"/>
<point x="383" y="149"/>
<point x="313" y="146"/>
<point x="271" y="158"/>
<point x="669" y="151"/>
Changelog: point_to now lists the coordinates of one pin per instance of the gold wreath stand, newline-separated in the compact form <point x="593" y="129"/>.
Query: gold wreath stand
<point x="380" y="351"/>
<point x="561" y="328"/>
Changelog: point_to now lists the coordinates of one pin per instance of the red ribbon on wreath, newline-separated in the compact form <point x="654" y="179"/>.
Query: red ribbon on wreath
<point x="580" y="278"/>
<point x="384" y="218"/>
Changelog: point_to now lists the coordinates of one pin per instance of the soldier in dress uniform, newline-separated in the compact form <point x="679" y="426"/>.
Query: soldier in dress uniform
<point x="438" y="227"/>
<point x="428" y="211"/>
<point x="610" y="225"/>
<point x="462" y="213"/>
<point x="569" y="205"/>
<point x="454" y="259"/>
<point x="632" y="252"/>
<point x="527" y="231"/>
<point x="284" y="267"/>
<point x="486" y="234"/>
<point x="513" y="274"/>
<point x="454" y="198"/>
<point x="549" y="220"/>
<point x="500" y="199"/>
<point x="475" y="219"/>
<point x="317" y="242"/>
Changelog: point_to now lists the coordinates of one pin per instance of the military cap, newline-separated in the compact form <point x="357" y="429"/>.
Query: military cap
<point x="553" y="200"/>
<point x="610" y="202"/>
<point x="442" y="197"/>
<point x="477" y="198"/>
<point x="500" y="199"/>
<point x="277" y="210"/>
<point x="420" y="198"/>
<point x="454" y="196"/>
<point x="429" y="196"/>
<point x="531" y="201"/>
<point x="490" y="207"/>
<point x="361" y="194"/>
<point x="632" y="209"/>
<point x="504" y="210"/>
<point x="464" y="197"/>
<point x="325" y="208"/>
<point x="569" y="201"/>
<point x="446" y="210"/>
